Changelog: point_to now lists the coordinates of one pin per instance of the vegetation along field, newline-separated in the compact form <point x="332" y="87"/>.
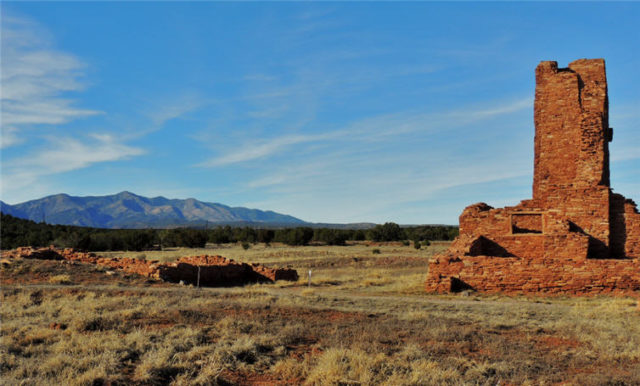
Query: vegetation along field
<point x="362" y="320"/>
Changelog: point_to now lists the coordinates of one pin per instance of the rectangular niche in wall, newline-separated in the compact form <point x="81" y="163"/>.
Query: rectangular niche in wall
<point x="526" y="223"/>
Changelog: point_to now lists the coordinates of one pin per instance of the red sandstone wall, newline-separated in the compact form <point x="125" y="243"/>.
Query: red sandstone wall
<point x="632" y="228"/>
<point x="526" y="222"/>
<point x="534" y="276"/>
<point x="481" y="218"/>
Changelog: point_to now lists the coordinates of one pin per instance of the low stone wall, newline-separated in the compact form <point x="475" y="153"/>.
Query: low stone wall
<point x="548" y="276"/>
<point x="34" y="253"/>
<point x="213" y="271"/>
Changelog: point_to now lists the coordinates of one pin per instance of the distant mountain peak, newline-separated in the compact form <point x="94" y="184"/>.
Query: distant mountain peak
<point x="126" y="193"/>
<point x="129" y="210"/>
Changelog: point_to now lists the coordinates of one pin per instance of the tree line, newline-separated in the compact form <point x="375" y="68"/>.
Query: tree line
<point x="16" y="232"/>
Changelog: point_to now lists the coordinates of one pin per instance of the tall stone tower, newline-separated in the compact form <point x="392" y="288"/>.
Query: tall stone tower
<point x="571" y="166"/>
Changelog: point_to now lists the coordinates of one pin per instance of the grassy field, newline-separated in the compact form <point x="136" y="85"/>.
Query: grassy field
<point x="363" y="320"/>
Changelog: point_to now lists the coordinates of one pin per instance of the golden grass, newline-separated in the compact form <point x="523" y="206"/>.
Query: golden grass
<point x="363" y="320"/>
<point x="60" y="279"/>
<point x="281" y="253"/>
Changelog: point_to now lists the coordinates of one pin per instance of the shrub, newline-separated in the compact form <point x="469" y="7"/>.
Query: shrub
<point x="387" y="232"/>
<point x="246" y="245"/>
<point x="416" y="244"/>
<point x="375" y="251"/>
<point x="60" y="279"/>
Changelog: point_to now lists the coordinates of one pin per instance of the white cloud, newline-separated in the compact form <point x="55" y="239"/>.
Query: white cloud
<point x="66" y="154"/>
<point x="500" y="110"/>
<point x="175" y="107"/>
<point x="9" y="137"/>
<point x="625" y="154"/>
<point x="265" y="149"/>
<point x="61" y="155"/>
<point x="34" y="77"/>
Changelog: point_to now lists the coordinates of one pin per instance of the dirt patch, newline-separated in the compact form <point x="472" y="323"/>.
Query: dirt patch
<point x="256" y="379"/>
<point x="35" y="271"/>
<point x="555" y="342"/>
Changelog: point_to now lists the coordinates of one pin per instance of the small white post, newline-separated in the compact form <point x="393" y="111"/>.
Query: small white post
<point x="309" y="278"/>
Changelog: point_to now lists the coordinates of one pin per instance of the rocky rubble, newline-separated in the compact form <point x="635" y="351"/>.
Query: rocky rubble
<point x="210" y="271"/>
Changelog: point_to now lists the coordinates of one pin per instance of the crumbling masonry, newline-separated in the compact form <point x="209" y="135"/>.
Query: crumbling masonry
<point x="575" y="236"/>
<point x="208" y="271"/>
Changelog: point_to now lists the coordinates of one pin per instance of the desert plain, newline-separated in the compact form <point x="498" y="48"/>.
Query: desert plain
<point x="362" y="318"/>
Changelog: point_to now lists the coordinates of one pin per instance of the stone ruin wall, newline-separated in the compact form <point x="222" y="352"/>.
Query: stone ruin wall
<point x="215" y="271"/>
<point x="575" y="236"/>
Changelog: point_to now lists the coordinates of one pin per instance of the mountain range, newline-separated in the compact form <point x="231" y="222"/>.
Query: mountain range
<point x="128" y="210"/>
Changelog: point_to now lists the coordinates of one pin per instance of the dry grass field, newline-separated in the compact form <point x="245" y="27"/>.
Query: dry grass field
<point x="363" y="320"/>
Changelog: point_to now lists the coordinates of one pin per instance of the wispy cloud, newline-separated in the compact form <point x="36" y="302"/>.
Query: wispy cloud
<point x="625" y="154"/>
<point x="264" y="149"/>
<point x="344" y="194"/>
<point x="380" y="127"/>
<point x="258" y="77"/>
<point x="371" y="168"/>
<point x="35" y="77"/>
<point x="507" y="108"/>
<point x="9" y="137"/>
<point x="62" y="155"/>
<point x="377" y="128"/>
<point x="175" y="107"/>
<point x="67" y="154"/>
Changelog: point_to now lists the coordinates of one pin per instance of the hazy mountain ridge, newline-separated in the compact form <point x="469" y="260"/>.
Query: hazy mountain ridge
<point x="128" y="210"/>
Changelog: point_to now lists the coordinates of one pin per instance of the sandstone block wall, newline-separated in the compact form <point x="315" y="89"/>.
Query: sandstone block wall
<point x="573" y="223"/>
<point x="547" y="276"/>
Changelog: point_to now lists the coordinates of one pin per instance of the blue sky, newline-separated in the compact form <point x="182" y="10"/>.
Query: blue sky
<point x="330" y="112"/>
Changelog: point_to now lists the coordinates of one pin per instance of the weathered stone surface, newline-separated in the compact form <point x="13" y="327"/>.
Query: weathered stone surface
<point x="49" y="253"/>
<point x="575" y="236"/>
<point x="540" y="276"/>
<point x="213" y="271"/>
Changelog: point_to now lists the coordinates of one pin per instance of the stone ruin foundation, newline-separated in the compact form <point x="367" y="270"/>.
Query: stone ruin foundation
<point x="215" y="271"/>
<point x="575" y="236"/>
